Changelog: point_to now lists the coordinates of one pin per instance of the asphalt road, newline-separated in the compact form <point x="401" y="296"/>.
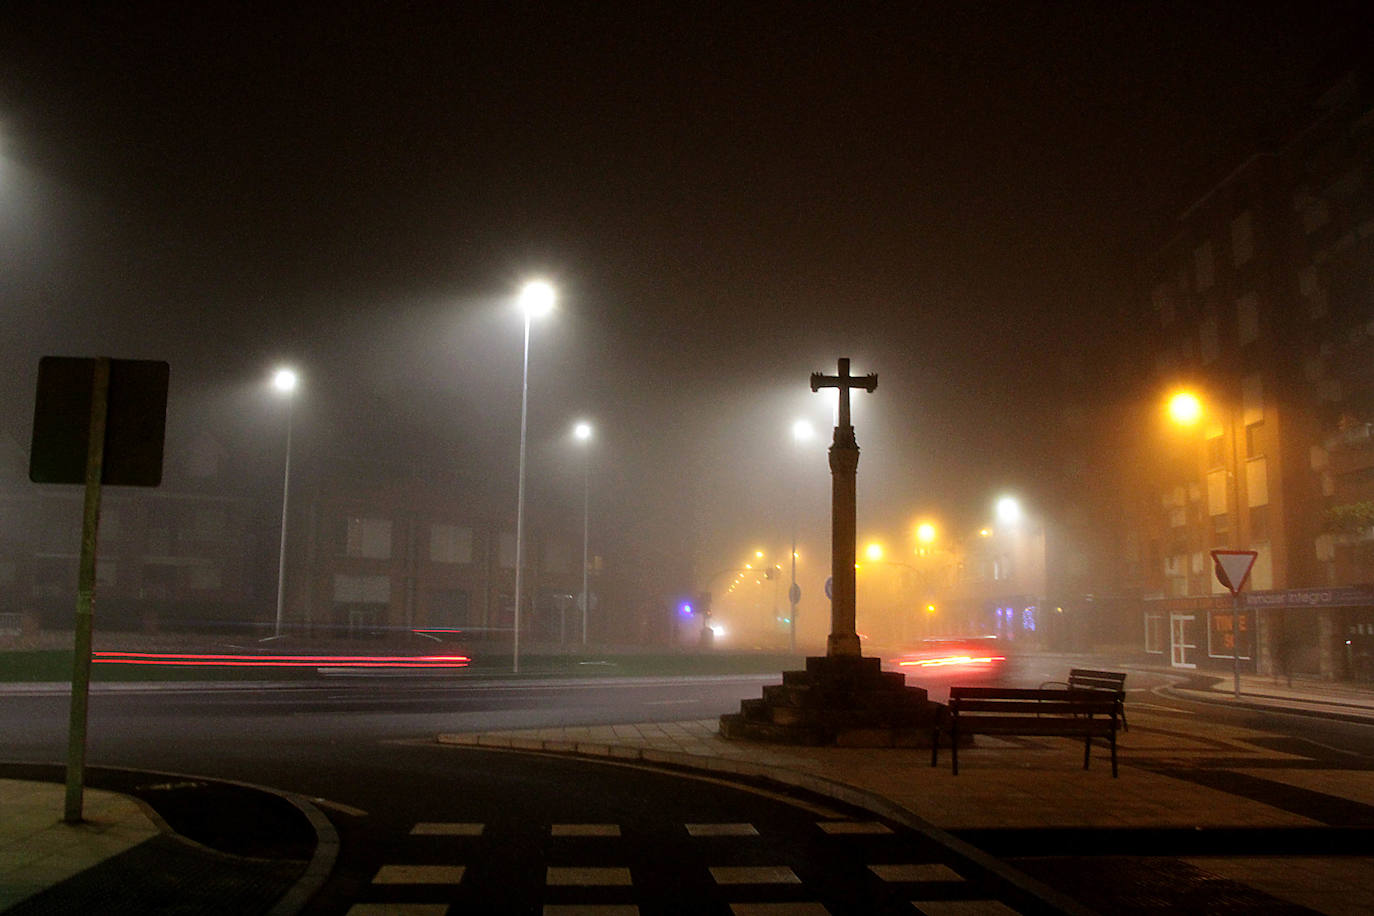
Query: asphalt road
<point x="365" y="746"/>
<point x="499" y="832"/>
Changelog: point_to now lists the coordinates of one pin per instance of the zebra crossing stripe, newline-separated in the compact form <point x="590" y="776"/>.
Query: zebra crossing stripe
<point x="445" y="829"/>
<point x="419" y="874"/>
<point x="721" y="830"/>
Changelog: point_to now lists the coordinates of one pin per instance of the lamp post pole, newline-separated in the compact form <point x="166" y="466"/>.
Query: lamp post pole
<point x="536" y="299"/>
<point x="1235" y="526"/>
<point x="802" y="431"/>
<point x="285" y="382"/>
<point x="583" y="431"/>
<point x="520" y="496"/>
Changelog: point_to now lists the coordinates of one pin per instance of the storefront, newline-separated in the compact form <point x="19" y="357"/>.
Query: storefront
<point x="1325" y="633"/>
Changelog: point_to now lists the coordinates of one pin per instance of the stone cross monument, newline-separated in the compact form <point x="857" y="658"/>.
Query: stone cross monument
<point x="844" y="468"/>
<point x="843" y="697"/>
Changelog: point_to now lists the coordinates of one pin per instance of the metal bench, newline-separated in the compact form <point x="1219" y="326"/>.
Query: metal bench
<point x="1049" y="712"/>
<point x="1113" y="682"/>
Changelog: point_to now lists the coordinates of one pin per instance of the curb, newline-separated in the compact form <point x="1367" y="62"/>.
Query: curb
<point x="1277" y="704"/>
<point x="719" y="767"/>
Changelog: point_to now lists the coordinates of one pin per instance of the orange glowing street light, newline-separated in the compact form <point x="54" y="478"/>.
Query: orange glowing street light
<point x="1185" y="408"/>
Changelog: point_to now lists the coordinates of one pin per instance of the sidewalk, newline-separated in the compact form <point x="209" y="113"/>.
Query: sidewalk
<point x="37" y="850"/>
<point x="125" y="859"/>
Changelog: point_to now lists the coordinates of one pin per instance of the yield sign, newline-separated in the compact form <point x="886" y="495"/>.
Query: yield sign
<point x="1233" y="567"/>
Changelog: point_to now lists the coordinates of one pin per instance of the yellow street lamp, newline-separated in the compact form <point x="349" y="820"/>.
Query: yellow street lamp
<point x="1185" y="408"/>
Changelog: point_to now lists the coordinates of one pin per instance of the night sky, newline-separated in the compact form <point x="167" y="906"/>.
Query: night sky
<point x="958" y="196"/>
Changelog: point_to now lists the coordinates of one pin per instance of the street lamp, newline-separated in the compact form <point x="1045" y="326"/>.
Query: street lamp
<point x="1186" y="409"/>
<point x="284" y="380"/>
<point x="583" y="433"/>
<point x="535" y="301"/>
<point x="1008" y="511"/>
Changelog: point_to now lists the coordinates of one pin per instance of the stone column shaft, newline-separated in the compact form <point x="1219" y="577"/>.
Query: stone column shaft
<point x="844" y="467"/>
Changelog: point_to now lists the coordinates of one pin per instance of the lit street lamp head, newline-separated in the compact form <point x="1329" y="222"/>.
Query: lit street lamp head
<point x="1184" y="408"/>
<point x="1008" y="510"/>
<point x="537" y="298"/>
<point x="803" y="431"/>
<point x="582" y="431"/>
<point x="284" y="380"/>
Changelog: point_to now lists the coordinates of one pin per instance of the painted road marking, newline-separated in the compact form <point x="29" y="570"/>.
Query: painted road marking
<point x="559" y="876"/>
<point x="442" y="829"/>
<point x="849" y="827"/>
<point x="754" y="874"/>
<point x="721" y="830"/>
<point x="928" y="872"/>
<point x="584" y="830"/>
<point x="964" y="908"/>
<point x="419" y="874"/>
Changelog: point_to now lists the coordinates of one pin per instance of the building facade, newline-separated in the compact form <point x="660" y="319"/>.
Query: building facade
<point x="1262" y="306"/>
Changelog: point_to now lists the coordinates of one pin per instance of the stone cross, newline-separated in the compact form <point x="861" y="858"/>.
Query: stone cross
<point x="844" y="469"/>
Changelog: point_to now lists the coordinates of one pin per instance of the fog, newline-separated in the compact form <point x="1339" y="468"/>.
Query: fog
<point x="959" y="203"/>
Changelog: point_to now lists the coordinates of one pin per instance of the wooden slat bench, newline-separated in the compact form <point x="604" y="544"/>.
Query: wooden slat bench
<point x="1053" y="712"/>
<point x="1113" y="682"/>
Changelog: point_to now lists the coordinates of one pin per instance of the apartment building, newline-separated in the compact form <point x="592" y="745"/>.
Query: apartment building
<point x="1262" y="307"/>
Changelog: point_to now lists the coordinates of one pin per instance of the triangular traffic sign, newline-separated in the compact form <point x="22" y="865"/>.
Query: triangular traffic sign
<point x="1233" y="567"/>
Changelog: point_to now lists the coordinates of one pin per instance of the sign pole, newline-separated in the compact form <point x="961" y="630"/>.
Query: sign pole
<point x="85" y="594"/>
<point x="1232" y="568"/>
<point x="1235" y="643"/>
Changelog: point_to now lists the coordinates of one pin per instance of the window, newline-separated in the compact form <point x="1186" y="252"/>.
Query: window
<point x="1178" y="517"/>
<point x="1252" y="399"/>
<point x="1259" y="523"/>
<point x="1253" y="435"/>
<point x="1242" y="238"/>
<point x="1216" y="493"/>
<point x="450" y="544"/>
<point x="1208" y="346"/>
<point x="361" y="589"/>
<point x="1247" y="319"/>
<point x="1216" y="451"/>
<point x="369" y="538"/>
<point x="1204" y="267"/>
<point x="1256" y="482"/>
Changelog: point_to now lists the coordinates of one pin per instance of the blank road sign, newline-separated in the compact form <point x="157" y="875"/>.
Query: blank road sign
<point x="135" y="425"/>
